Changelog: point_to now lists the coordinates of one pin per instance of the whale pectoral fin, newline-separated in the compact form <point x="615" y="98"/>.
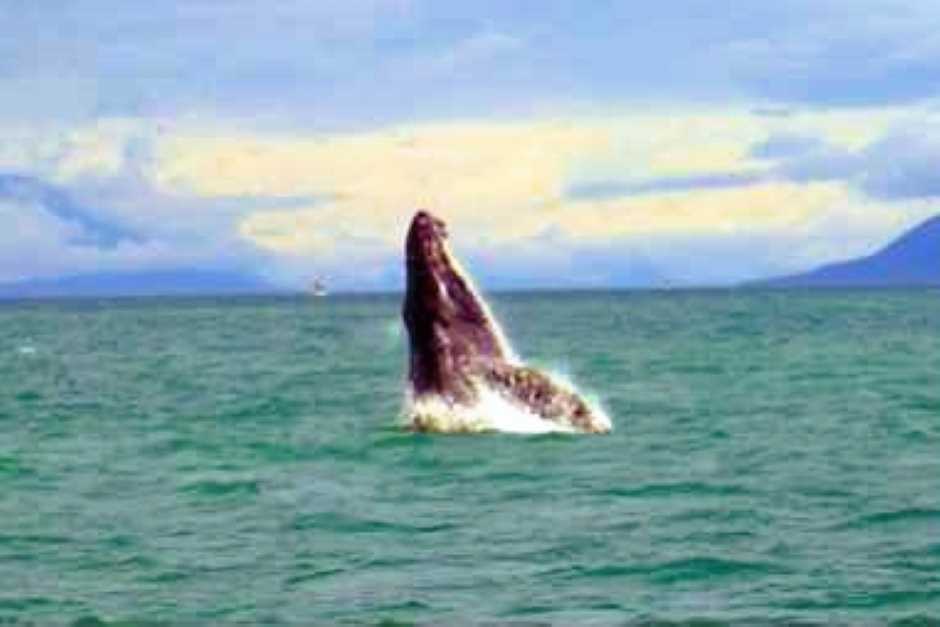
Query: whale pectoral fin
<point x="541" y="395"/>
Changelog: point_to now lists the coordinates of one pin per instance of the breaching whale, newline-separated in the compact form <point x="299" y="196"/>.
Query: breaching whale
<point x="462" y="373"/>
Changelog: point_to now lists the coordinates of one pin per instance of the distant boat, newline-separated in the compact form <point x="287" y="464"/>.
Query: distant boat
<point x="318" y="287"/>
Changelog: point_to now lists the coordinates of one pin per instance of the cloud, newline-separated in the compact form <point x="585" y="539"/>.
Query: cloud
<point x="469" y="54"/>
<point x="753" y="208"/>
<point x="472" y="172"/>
<point x="899" y="165"/>
<point x="880" y="52"/>
<point x="903" y="165"/>
<point x="541" y="198"/>
<point x="88" y="227"/>
<point x="88" y="204"/>
<point x="364" y="63"/>
<point x="594" y="183"/>
<point x="786" y="145"/>
<point x="600" y="190"/>
<point x="35" y="242"/>
<point x="303" y="135"/>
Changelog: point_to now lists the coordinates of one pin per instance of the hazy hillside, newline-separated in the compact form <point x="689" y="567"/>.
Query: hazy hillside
<point x="170" y="282"/>
<point x="912" y="259"/>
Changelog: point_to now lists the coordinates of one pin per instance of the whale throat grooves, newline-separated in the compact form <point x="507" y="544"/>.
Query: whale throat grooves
<point x="462" y="374"/>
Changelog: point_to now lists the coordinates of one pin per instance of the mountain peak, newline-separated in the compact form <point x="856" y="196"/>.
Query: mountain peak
<point x="913" y="259"/>
<point x="180" y="281"/>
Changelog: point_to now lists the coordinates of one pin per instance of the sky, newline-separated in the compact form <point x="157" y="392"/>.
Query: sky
<point x="567" y="144"/>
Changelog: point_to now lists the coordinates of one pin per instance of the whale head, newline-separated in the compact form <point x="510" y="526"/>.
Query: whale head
<point x="449" y="326"/>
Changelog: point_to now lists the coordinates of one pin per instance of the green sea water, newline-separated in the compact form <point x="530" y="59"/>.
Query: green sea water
<point x="776" y="457"/>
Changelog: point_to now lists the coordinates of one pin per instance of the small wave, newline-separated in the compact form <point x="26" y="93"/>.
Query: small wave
<point x="167" y="577"/>
<point x="135" y="562"/>
<point x="313" y="575"/>
<point x="397" y="439"/>
<point x="396" y="562"/>
<point x="722" y="514"/>
<point x="929" y="404"/>
<point x="28" y="396"/>
<point x="409" y="607"/>
<point x="12" y="467"/>
<point x="709" y="567"/>
<point x="680" y="488"/>
<point x="497" y="476"/>
<point x="912" y="514"/>
<point x="26" y="350"/>
<point x="332" y="521"/>
<point x="866" y="600"/>
<point x="33" y="539"/>
<point x="222" y="488"/>
<point x="915" y="620"/>
<point x="25" y="603"/>
<point x="826" y="492"/>
<point x="597" y="613"/>
<point x="179" y="444"/>
<point x="918" y="435"/>
<point x="94" y="621"/>
<point x="714" y="537"/>
<point x="281" y="452"/>
<point x="688" y="569"/>
<point x="354" y="451"/>
<point x="530" y="610"/>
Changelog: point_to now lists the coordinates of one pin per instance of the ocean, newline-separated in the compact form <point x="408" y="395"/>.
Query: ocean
<point x="776" y="457"/>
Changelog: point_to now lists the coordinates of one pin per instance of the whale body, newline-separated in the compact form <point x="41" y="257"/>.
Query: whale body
<point x="462" y="374"/>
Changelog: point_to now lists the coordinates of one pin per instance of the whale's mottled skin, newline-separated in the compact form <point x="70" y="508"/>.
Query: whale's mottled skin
<point x="457" y="350"/>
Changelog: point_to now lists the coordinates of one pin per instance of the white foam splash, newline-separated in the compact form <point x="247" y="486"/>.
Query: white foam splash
<point x="492" y="411"/>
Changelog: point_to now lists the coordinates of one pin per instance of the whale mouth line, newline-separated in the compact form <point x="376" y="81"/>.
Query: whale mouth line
<point x="463" y="375"/>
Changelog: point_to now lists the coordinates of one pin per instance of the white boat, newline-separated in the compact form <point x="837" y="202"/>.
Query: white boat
<point x="318" y="287"/>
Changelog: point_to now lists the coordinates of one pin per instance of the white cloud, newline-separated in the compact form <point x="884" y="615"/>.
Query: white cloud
<point x="339" y="203"/>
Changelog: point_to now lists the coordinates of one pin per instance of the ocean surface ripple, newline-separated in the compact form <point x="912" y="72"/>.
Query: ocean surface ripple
<point x="776" y="458"/>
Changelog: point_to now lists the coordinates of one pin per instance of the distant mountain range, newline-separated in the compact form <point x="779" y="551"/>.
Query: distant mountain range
<point x="911" y="260"/>
<point x="146" y="283"/>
